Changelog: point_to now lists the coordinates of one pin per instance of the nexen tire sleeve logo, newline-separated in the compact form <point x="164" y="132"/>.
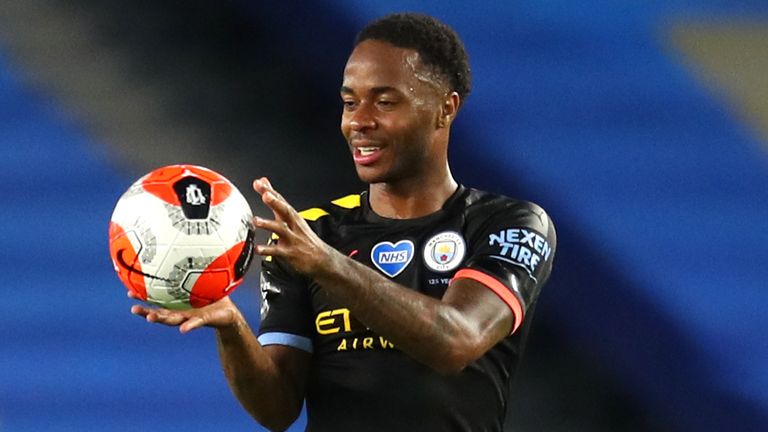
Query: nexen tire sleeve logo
<point x="522" y="247"/>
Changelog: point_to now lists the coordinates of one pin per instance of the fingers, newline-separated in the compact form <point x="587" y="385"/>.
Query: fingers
<point x="262" y="186"/>
<point x="279" y="206"/>
<point x="140" y="310"/>
<point x="273" y="199"/>
<point x="168" y="317"/>
<point x="270" y="250"/>
<point x="191" y="324"/>
<point x="161" y="316"/>
<point x="280" y="228"/>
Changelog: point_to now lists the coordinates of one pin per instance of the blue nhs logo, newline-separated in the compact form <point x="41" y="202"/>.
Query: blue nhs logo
<point x="393" y="257"/>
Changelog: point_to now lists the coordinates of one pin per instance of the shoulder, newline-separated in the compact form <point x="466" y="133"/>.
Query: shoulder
<point x="507" y="236"/>
<point x="326" y="219"/>
<point x="334" y="212"/>
<point x="482" y="207"/>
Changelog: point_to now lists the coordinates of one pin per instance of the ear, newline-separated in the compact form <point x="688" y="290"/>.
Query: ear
<point x="448" y="109"/>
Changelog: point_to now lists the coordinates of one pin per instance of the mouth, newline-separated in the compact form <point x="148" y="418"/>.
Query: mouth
<point x="367" y="151"/>
<point x="364" y="153"/>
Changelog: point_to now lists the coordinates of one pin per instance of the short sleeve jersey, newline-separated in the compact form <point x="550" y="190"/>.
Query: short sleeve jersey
<point x="359" y="380"/>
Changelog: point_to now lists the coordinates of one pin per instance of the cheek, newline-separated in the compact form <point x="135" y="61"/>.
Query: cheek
<point x="412" y="144"/>
<point x="344" y="126"/>
<point x="417" y="130"/>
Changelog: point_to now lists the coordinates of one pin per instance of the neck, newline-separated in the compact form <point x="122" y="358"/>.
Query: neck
<point x="412" y="198"/>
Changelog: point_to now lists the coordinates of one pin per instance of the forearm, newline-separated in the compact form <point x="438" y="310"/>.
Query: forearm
<point x="445" y="334"/>
<point x="268" y="393"/>
<point x="432" y="331"/>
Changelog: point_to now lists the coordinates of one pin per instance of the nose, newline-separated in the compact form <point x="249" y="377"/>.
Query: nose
<point x="362" y="118"/>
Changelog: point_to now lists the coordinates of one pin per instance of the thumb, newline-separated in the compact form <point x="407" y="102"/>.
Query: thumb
<point x="192" y="324"/>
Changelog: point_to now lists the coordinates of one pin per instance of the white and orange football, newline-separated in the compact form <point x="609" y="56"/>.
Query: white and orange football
<point x="181" y="237"/>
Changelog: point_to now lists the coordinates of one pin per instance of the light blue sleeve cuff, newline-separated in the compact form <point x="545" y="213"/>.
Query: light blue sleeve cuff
<point x="288" y="339"/>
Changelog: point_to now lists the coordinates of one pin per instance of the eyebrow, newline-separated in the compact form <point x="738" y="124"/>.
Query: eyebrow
<point x="374" y="90"/>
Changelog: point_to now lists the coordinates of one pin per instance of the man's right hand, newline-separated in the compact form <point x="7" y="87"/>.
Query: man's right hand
<point x="270" y="381"/>
<point x="221" y="314"/>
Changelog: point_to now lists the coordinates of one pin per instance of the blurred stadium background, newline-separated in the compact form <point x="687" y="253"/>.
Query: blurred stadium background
<point x="642" y="126"/>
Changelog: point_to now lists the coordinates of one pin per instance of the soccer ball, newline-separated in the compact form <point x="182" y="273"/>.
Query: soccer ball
<point x="181" y="237"/>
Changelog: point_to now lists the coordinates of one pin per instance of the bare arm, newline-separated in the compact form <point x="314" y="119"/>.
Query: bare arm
<point x="268" y="381"/>
<point x="445" y="334"/>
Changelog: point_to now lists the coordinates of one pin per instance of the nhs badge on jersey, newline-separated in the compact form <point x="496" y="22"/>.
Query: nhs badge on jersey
<point x="392" y="258"/>
<point x="444" y="251"/>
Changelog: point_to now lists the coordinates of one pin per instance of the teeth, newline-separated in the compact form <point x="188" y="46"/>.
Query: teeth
<point x="365" y="151"/>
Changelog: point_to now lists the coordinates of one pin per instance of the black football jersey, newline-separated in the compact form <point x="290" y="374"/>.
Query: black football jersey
<point x="359" y="380"/>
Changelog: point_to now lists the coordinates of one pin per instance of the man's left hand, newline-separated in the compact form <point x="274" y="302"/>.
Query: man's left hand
<point x="298" y="245"/>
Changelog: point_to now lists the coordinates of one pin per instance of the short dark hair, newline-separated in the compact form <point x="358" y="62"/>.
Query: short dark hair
<point x="438" y="45"/>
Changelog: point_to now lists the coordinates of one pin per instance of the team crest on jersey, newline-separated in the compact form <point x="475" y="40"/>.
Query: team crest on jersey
<point x="392" y="258"/>
<point x="444" y="251"/>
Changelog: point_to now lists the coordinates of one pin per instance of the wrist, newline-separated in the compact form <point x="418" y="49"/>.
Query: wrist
<point x="328" y="263"/>
<point x="235" y="325"/>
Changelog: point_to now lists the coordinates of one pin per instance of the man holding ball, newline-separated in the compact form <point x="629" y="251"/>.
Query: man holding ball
<point x="404" y="307"/>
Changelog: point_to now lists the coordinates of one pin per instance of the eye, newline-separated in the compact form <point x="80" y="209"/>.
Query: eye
<point x="386" y="103"/>
<point x="348" y="104"/>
